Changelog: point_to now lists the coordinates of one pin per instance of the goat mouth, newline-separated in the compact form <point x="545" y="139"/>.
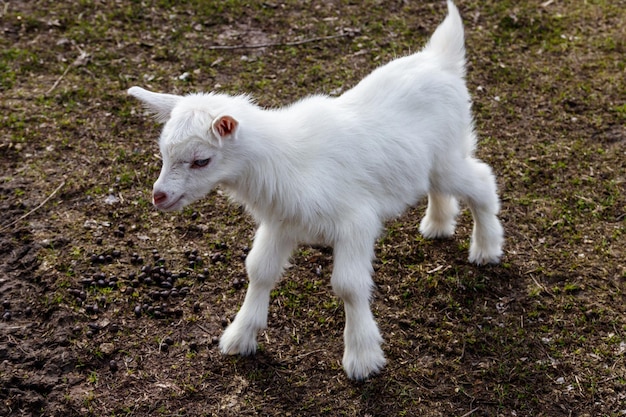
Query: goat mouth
<point x="169" y="206"/>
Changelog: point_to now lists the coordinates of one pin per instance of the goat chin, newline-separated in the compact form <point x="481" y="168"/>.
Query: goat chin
<point x="332" y="170"/>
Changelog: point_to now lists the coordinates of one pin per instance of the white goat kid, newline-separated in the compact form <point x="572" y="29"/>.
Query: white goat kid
<point x="330" y="171"/>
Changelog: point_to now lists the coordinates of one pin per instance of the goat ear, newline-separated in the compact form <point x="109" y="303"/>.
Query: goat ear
<point x="159" y="104"/>
<point x="224" y="126"/>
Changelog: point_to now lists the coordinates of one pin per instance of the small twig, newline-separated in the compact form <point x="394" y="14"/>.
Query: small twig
<point x="5" y="8"/>
<point x="80" y="60"/>
<point x="304" y="355"/>
<point x="270" y="44"/>
<point x="6" y="226"/>
<point x="59" y="79"/>
<point x="462" y="353"/>
<point x="204" y="329"/>
<point x="542" y="287"/>
<point x="469" y="413"/>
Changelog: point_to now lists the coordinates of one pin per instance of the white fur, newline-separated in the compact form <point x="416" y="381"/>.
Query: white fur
<point x="330" y="171"/>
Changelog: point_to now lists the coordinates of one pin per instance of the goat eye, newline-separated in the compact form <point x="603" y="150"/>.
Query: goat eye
<point x="200" y="163"/>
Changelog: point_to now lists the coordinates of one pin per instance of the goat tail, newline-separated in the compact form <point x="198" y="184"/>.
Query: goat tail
<point x="448" y="42"/>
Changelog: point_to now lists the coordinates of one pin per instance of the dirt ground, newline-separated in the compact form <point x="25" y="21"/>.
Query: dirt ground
<point x="110" y="308"/>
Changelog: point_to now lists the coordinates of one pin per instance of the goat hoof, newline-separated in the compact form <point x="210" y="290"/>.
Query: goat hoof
<point x="235" y="342"/>
<point x="364" y="364"/>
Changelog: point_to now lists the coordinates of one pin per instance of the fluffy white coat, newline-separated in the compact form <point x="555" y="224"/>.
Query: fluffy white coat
<point x="331" y="171"/>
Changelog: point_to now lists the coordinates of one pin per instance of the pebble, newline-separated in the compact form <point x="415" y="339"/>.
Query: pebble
<point x="216" y="257"/>
<point x="107" y="348"/>
<point x="113" y="366"/>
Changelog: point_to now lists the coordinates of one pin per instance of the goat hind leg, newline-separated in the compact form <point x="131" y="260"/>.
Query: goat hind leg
<point x="477" y="185"/>
<point x="440" y="218"/>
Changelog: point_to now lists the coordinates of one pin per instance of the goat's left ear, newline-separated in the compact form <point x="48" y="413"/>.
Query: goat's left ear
<point x="224" y="126"/>
<point x="159" y="104"/>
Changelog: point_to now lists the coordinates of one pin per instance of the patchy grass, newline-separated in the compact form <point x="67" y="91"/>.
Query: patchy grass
<point x="542" y="334"/>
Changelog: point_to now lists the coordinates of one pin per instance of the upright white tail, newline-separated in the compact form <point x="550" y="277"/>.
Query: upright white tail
<point x="448" y="42"/>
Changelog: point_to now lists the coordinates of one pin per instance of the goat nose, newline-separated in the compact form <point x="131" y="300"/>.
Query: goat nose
<point x="159" y="197"/>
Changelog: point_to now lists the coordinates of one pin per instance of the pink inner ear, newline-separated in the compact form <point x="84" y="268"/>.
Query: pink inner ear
<point x="225" y="125"/>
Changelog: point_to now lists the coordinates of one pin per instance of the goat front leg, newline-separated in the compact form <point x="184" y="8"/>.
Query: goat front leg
<point x="352" y="282"/>
<point x="265" y="262"/>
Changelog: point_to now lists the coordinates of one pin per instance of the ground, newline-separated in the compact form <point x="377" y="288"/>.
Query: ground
<point x="110" y="307"/>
